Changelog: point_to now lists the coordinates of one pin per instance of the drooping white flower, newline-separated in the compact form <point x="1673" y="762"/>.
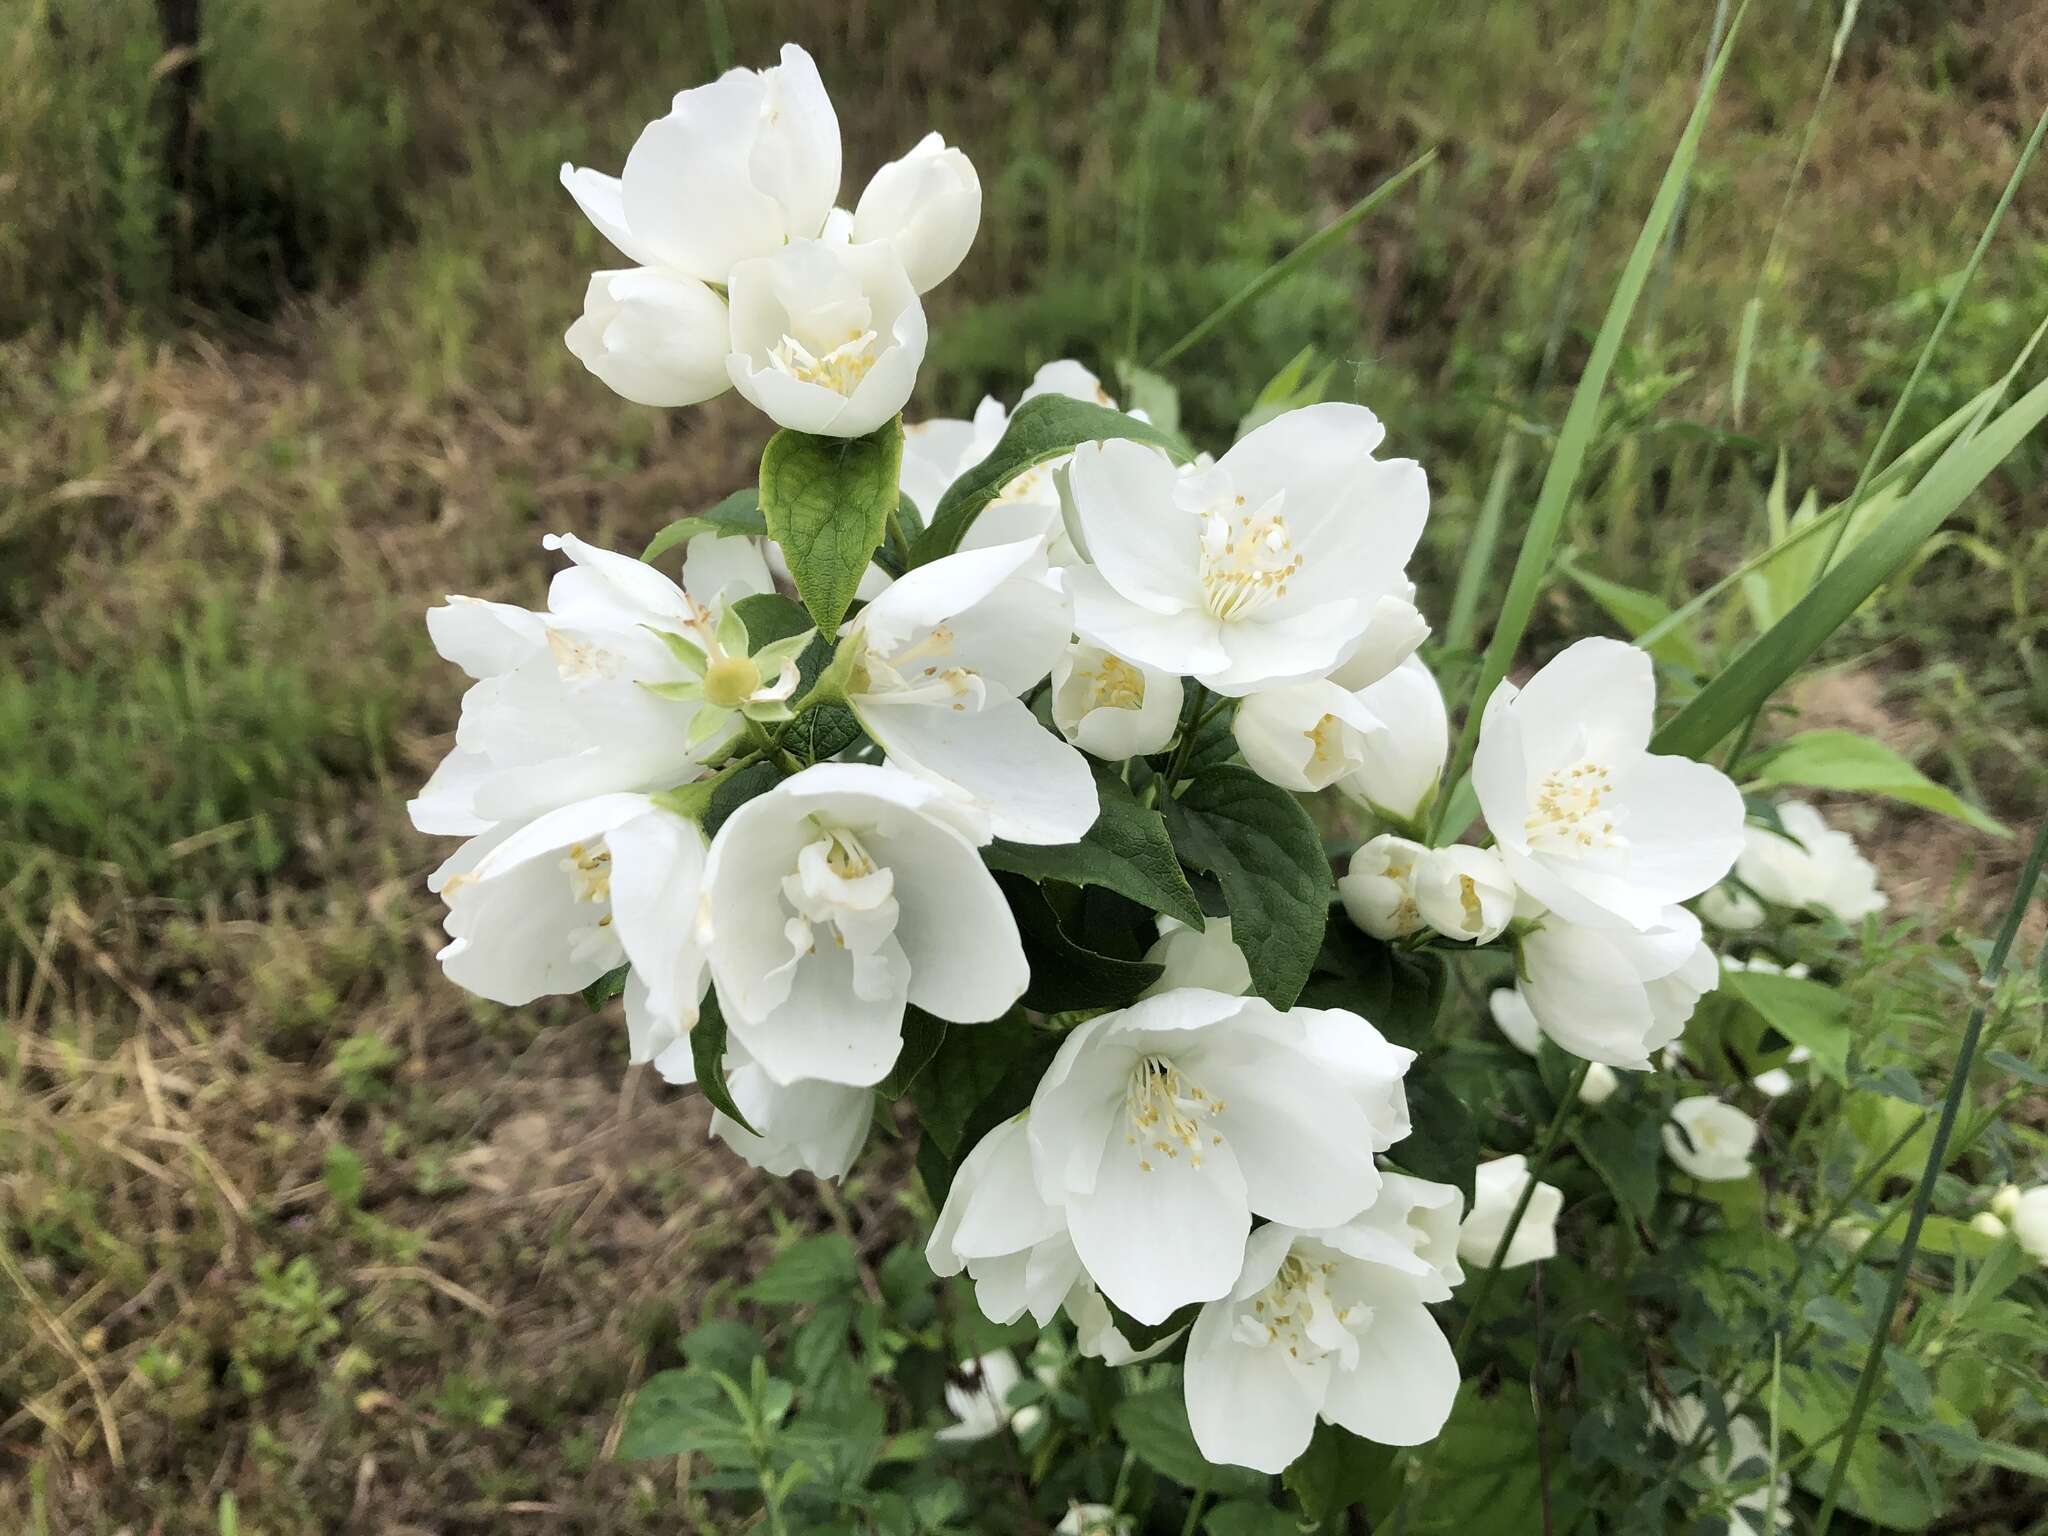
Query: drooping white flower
<point x="1710" y="1140"/>
<point x="1324" y="1324"/>
<point x="978" y="1397"/>
<point x="2005" y="1202"/>
<point x="1729" y="906"/>
<point x="548" y="906"/>
<point x="1378" y="887"/>
<point x="996" y="1225"/>
<point x="826" y="339"/>
<point x="1261" y="569"/>
<point x="1816" y="867"/>
<point x="1590" y="822"/>
<point x="1401" y="761"/>
<point x="1304" y="736"/>
<point x="2029" y="1222"/>
<point x="1092" y="1520"/>
<point x="809" y="1126"/>
<point x="1160" y="1130"/>
<point x="1598" y="1085"/>
<point x="737" y="169"/>
<point x="1206" y="957"/>
<point x="835" y="899"/>
<point x="655" y="336"/>
<point x="1111" y="708"/>
<point x="941" y="660"/>
<point x="1615" y="995"/>
<point x="562" y="708"/>
<point x="1464" y="892"/>
<point x="1393" y="632"/>
<point x="1512" y="1017"/>
<point x="940" y="451"/>
<point x="1988" y="1223"/>
<point x="926" y="207"/>
<point x="1738" y="1458"/>
<point x="1496" y="1186"/>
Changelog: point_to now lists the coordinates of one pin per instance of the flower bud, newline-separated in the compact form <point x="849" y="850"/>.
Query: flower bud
<point x="1379" y="887"/>
<point x="2006" y="1201"/>
<point x="1112" y="708"/>
<point x="1710" y="1140"/>
<point x="1988" y="1224"/>
<point x="1464" y="892"/>
<point x="1598" y="1085"/>
<point x="657" y="338"/>
<point x="1303" y="737"/>
<point x="927" y="206"/>
<point x="1401" y="761"/>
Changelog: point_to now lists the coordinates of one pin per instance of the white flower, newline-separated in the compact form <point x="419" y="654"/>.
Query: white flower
<point x="926" y="206"/>
<point x="1614" y="994"/>
<point x="941" y="660"/>
<point x="826" y="338"/>
<point x="1402" y="759"/>
<point x="1163" y="1128"/>
<point x="938" y="452"/>
<point x="1816" y="867"/>
<point x="562" y="709"/>
<point x="1392" y="633"/>
<point x="1710" y="1140"/>
<point x="1378" y="887"/>
<point x="1729" y="906"/>
<point x="835" y="899"/>
<point x="1598" y="1085"/>
<point x="738" y="169"/>
<point x="1496" y="1186"/>
<point x="1512" y="1017"/>
<point x="1262" y="569"/>
<point x="1304" y="736"/>
<point x="1591" y="824"/>
<point x="550" y="905"/>
<point x="1206" y="957"/>
<point x="1778" y="1081"/>
<point x="1092" y="1520"/>
<point x="1764" y="965"/>
<point x="1111" y="708"/>
<point x="1740" y="1457"/>
<point x="1010" y="1240"/>
<point x="1324" y="1324"/>
<point x="1097" y="1335"/>
<point x="1988" y="1224"/>
<point x="2006" y="1201"/>
<point x="2029" y="1222"/>
<point x="978" y="1397"/>
<point x="1464" y="892"/>
<point x="656" y="337"/>
<point x="809" y="1125"/>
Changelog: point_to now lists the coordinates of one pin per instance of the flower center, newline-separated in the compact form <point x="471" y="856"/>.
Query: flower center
<point x="1574" y="814"/>
<point x="839" y="370"/>
<point x="590" y="872"/>
<point x="1116" y="684"/>
<point x="1326" y="743"/>
<point x="918" y="673"/>
<point x="1247" y="557"/>
<point x="838" y="886"/>
<point x="730" y="681"/>
<point x="1296" y="1312"/>
<point x="1165" y="1113"/>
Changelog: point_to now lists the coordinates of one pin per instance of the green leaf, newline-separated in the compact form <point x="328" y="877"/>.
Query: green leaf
<point x="1639" y="613"/>
<point x="1067" y="974"/>
<point x="1259" y="843"/>
<point x="1337" y="1471"/>
<point x="1806" y="1012"/>
<point x="1155" y="1426"/>
<point x="731" y="794"/>
<point x="1400" y="993"/>
<point x="606" y="987"/>
<point x="707" y="1056"/>
<point x="739" y="513"/>
<point x="810" y="1270"/>
<point x="1845" y="761"/>
<point x="1748" y="681"/>
<point x="1039" y="429"/>
<point x="923" y="1035"/>
<point x="1248" y="1517"/>
<point x="342" y="1172"/>
<point x="1582" y="419"/>
<point x="1126" y="850"/>
<point x="972" y="1063"/>
<point x="1442" y="1143"/>
<point x="1625" y="1151"/>
<point x="769" y="617"/>
<point x="827" y="502"/>
<point x="669" y="1415"/>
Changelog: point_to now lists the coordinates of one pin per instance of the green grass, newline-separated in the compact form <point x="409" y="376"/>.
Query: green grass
<point x="217" y="534"/>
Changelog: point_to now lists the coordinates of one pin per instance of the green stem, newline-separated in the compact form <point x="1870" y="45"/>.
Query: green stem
<point x="1937" y="1155"/>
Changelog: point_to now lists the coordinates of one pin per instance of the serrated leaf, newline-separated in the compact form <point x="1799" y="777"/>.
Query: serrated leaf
<point x="1260" y="845"/>
<point x="739" y="513"/>
<point x="707" y="1056"/>
<point x="1126" y="850"/>
<point x="731" y="794"/>
<point x="1806" y="1012"/>
<point x="1038" y="430"/>
<point x="809" y="1270"/>
<point x="1625" y="1151"/>
<point x="1843" y="760"/>
<point x="670" y="1415"/>
<point x="1067" y="974"/>
<point x="1400" y="993"/>
<point x="769" y="617"/>
<point x="827" y="502"/>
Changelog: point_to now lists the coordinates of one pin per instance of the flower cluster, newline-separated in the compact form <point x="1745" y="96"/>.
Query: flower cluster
<point x="1023" y="754"/>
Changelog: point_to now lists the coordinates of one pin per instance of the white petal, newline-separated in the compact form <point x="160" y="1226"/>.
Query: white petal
<point x="1144" y="546"/>
<point x="655" y="337"/>
<point x="485" y="639"/>
<point x="722" y="568"/>
<point x="1246" y="1406"/>
<point x="1035" y="787"/>
<point x="1185" y="642"/>
<point x="1406" y="1380"/>
<point x="1156" y="1240"/>
<point x="602" y="201"/>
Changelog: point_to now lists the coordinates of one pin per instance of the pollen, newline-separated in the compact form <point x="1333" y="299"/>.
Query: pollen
<point x="1575" y="811"/>
<point x="840" y="369"/>
<point x="1247" y="558"/>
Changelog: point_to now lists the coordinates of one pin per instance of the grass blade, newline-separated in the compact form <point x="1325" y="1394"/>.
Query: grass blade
<point x="1937" y="1155"/>
<point x="1582" y="418"/>
<point x="1752" y="677"/>
<point x="1303" y="253"/>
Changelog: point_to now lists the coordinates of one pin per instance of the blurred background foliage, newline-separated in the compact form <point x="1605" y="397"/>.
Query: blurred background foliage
<point x="282" y="285"/>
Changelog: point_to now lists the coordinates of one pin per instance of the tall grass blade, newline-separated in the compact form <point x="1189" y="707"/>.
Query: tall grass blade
<point x="1142" y="213"/>
<point x="1937" y="1157"/>
<point x="1582" y="418"/>
<point x="1747" y="682"/>
<point x="1302" y="254"/>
